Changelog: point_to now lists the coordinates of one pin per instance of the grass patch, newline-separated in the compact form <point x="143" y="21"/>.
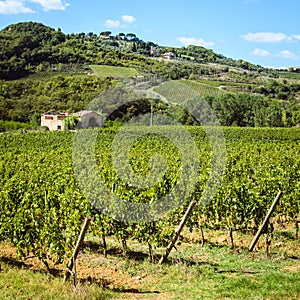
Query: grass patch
<point x="192" y="272"/>
<point x="215" y="273"/>
<point x="113" y="71"/>
<point x="289" y="75"/>
<point x="18" y="283"/>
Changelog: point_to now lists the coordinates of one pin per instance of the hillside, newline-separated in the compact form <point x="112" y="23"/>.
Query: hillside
<point x="42" y="68"/>
<point x="30" y="47"/>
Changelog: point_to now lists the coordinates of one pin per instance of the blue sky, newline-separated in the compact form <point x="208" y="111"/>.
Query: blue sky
<point x="265" y="32"/>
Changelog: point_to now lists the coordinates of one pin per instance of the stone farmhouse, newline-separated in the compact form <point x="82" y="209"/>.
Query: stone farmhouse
<point x="54" y="120"/>
<point x="169" y="55"/>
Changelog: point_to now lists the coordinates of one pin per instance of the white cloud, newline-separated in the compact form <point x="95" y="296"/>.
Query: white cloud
<point x="194" y="41"/>
<point x="128" y="19"/>
<point x="18" y="6"/>
<point x="9" y="7"/>
<point x="260" y="52"/>
<point x="266" y="37"/>
<point x="296" y="37"/>
<point x="287" y="54"/>
<point x="112" y="23"/>
<point x="52" y="4"/>
<point x="118" y="24"/>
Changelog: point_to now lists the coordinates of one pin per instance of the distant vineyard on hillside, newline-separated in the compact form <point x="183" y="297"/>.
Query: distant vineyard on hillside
<point x="203" y="89"/>
<point x="181" y="90"/>
<point x="112" y="71"/>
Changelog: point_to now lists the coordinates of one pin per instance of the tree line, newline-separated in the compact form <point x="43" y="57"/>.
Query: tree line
<point x="25" y="100"/>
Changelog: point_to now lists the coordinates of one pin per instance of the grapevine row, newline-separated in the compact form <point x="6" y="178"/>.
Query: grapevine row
<point x="42" y="205"/>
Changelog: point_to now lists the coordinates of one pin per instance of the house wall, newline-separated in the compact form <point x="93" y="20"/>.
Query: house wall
<point x="53" y="122"/>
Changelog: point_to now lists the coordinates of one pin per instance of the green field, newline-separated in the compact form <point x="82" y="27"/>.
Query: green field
<point x="113" y="71"/>
<point x="289" y="75"/>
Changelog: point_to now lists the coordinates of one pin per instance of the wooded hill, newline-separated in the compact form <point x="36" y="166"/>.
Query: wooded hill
<point x="42" y="68"/>
<point x="29" y="47"/>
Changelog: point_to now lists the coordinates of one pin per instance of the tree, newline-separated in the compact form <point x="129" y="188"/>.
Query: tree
<point x="121" y="35"/>
<point x="70" y="122"/>
<point x="234" y="109"/>
<point x="134" y="48"/>
<point x="114" y="44"/>
<point x="105" y="33"/>
<point x="130" y="36"/>
<point x="35" y="119"/>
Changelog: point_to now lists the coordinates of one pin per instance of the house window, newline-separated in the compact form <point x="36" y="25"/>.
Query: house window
<point x="61" y="117"/>
<point x="58" y="127"/>
<point x="48" y="118"/>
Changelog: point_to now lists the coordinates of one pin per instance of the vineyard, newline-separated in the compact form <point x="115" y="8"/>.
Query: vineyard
<point x="42" y="205"/>
<point x="170" y="90"/>
<point x="190" y="190"/>
<point x="203" y="88"/>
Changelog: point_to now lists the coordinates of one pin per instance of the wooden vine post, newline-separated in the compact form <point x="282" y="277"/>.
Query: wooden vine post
<point x="202" y="236"/>
<point x="177" y="232"/>
<point x="266" y="221"/>
<point x="296" y="222"/>
<point x="71" y="263"/>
